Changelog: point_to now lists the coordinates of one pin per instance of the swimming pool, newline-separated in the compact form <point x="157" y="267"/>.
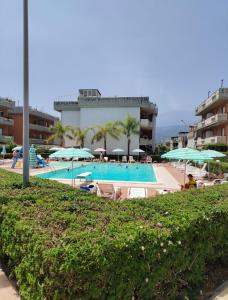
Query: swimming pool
<point x="107" y="171"/>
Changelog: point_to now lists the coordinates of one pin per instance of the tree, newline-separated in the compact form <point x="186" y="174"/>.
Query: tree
<point x="130" y="126"/>
<point x="103" y="131"/>
<point x="58" y="133"/>
<point x="79" y="135"/>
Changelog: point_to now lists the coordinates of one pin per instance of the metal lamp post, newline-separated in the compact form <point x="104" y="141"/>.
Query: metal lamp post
<point x="26" y="97"/>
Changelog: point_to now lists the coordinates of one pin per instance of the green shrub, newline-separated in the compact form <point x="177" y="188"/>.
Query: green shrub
<point x="218" y="167"/>
<point x="62" y="243"/>
<point x="217" y="147"/>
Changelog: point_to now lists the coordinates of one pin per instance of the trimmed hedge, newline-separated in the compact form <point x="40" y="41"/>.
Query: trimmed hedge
<point x="217" y="147"/>
<point x="218" y="167"/>
<point x="62" y="243"/>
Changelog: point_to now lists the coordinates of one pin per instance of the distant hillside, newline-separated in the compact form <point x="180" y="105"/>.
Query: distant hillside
<point x="165" y="132"/>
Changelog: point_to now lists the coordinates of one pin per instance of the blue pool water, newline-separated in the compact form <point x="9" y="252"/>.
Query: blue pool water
<point x="107" y="171"/>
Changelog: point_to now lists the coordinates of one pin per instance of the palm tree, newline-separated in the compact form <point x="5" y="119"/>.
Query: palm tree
<point x="58" y="133"/>
<point x="103" y="131"/>
<point x="79" y="135"/>
<point x="129" y="126"/>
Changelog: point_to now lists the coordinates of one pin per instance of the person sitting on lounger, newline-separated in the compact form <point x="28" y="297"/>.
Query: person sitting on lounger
<point x="191" y="183"/>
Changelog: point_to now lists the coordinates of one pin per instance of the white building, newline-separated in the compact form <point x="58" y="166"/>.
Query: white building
<point x="91" y="109"/>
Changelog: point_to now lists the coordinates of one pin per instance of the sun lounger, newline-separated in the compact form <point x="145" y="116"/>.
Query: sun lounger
<point x="137" y="193"/>
<point x="131" y="159"/>
<point x="124" y="159"/>
<point x="149" y="159"/>
<point x="107" y="190"/>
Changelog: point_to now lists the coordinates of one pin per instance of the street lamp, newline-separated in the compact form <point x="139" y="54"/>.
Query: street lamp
<point x="26" y="97"/>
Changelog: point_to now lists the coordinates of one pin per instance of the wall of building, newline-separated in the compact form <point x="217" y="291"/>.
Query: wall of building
<point x="90" y="117"/>
<point x="70" y="118"/>
<point x="17" y="130"/>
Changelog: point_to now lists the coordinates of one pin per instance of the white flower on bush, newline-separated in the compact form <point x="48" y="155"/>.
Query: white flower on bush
<point x="162" y="244"/>
<point x="147" y="279"/>
<point x="179" y="242"/>
<point x="143" y="248"/>
<point x="133" y="298"/>
<point x="170" y="242"/>
<point x="164" y="250"/>
<point x="141" y="226"/>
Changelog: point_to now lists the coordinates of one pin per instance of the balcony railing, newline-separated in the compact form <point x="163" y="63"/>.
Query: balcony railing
<point x="213" y="120"/>
<point x="216" y="96"/>
<point x="37" y="141"/>
<point x="39" y="128"/>
<point x="145" y="123"/>
<point x="5" y="138"/>
<point x="212" y="140"/>
<point x="6" y="121"/>
<point x="145" y="142"/>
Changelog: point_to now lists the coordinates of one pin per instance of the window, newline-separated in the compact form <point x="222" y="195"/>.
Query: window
<point x="223" y="131"/>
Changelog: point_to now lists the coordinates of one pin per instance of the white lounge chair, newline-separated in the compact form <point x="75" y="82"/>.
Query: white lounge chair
<point x="131" y="159"/>
<point x="106" y="158"/>
<point x="124" y="159"/>
<point x="137" y="193"/>
<point x="107" y="190"/>
<point x="149" y="159"/>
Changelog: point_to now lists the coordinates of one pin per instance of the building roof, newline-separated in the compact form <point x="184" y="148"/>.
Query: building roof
<point x="105" y="102"/>
<point x="7" y="102"/>
<point x="34" y="112"/>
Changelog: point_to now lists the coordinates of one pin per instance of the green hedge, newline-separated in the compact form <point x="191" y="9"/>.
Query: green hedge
<point x="62" y="243"/>
<point x="217" y="147"/>
<point x="218" y="167"/>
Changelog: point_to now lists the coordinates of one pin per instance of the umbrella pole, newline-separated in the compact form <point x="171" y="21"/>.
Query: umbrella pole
<point x="185" y="165"/>
<point x="72" y="172"/>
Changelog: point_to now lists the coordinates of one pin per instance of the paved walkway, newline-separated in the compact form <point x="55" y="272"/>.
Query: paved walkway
<point x="221" y="293"/>
<point x="7" y="291"/>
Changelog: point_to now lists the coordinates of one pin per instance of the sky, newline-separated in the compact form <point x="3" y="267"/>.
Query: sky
<point x="173" y="51"/>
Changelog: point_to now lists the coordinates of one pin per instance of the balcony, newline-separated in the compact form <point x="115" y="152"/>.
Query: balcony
<point x="5" y="138"/>
<point x="216" y="99"/>
<point x="191" y="135"/>
<point x="145" y="142"/>
<point x="212" y="121"/>
<point x="37" y="141"/>
<point x="211" y="140"/>
<point x="6" y="121"/>
<point x="40" y="128"/>
<point x="146" y="123"/>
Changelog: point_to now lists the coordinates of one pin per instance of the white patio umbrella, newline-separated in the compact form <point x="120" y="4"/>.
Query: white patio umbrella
<point x="86" y="149"/>
<point x="101" y="150"/>
<point x="56" y="148"/>
<point x="117" y="150"/>
<point x="18" y="148"/>
<point x="138" y="151"/>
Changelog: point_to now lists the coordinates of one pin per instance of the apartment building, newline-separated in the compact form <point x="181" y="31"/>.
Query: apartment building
<point x="179" y="141"/>
<point x="90" y="109"/>
<point x="6" y="122"/>
<point x="40" y="124"/>
<point x="213" y="127"/>
<point x="192" y="136"/>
